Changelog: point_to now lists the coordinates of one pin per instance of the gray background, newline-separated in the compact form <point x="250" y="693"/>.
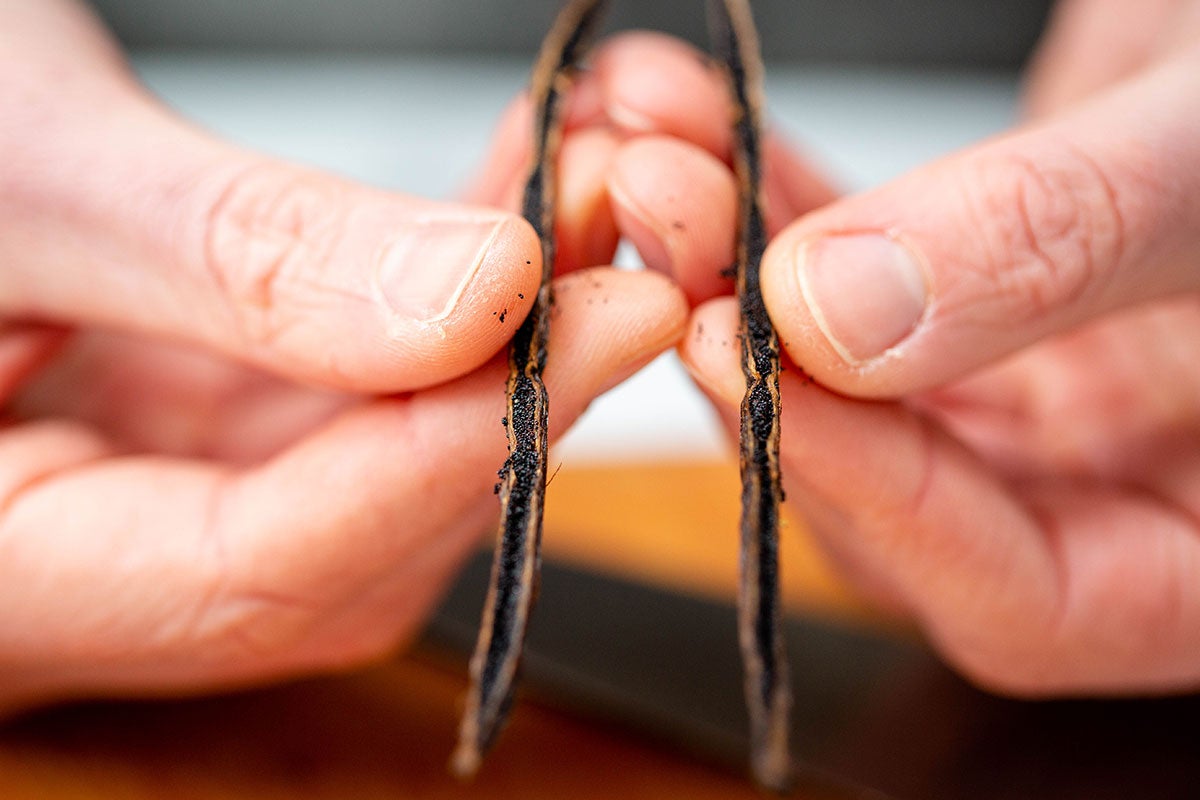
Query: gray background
<point x="988" y="33"/>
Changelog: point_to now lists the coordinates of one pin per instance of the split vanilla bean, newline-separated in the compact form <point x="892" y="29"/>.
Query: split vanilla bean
<point x="522" y="486"/>
<point x="768" y="690"/>
<point x="514" y="574"/>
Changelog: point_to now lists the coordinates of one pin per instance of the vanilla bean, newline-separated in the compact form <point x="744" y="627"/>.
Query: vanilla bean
<point x="768" y="692"/>
<point x="513" y="582"/>
<point x="522" y="486"/>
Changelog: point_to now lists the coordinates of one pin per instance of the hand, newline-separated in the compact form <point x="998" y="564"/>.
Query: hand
<point x="200" y="482"/>
<point x="1003" y="436"/>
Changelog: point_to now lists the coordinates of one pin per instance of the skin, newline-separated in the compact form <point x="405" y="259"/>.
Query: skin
<point x="1018" y="470"/>
<point x="235" y="447"/>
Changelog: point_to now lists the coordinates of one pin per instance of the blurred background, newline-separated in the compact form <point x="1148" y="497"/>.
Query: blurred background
<point x="924" y="32"/>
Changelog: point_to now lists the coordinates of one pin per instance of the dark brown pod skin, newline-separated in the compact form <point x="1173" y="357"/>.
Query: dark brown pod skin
<point x="513" y="584"/>
<point x="768" y="688"/>
<point x="522" y="486"/>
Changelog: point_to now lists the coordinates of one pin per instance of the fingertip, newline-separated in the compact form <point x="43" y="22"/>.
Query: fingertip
<point x="483" y="314"/>
<point x="655" y="83"/>
<point x="677" y="204"/>
<point x="847" y="304"/>
<point x="345" y="286"/>
<point x="585" y="229"/>
<point x="607" y="323"/>
<point x="499" y="295"/>
<point x="666" y="306"/>
<point x="799" y="335"/>
<point x="585" y="103"/>
<point x="643" y="306"/>
<point x="709" y="350"/>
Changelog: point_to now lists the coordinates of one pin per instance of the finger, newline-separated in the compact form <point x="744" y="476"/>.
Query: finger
<point x="646" y="83"/>
<point x="1058" y="588"/>
<point x="677" y="204"/>
<point x="586" y="234"/>
<point x="1090" y="45"/>
<point x="60" y="38"/>
<point x="653" y="84"/>
<point x="124" y="217"/>
<point x="649" y="85"/>
<point x="148" y="396"/>
<point x="327" y="555"/>
<point x="959" y="263"/>
<point x="637" y="83"/>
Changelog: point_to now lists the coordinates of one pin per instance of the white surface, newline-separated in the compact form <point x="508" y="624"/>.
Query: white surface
<point x="421" y="125"/>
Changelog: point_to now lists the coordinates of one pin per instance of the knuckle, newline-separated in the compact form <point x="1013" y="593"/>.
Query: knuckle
<point x="267" y="239"/>
<point x="1050" y="229"/>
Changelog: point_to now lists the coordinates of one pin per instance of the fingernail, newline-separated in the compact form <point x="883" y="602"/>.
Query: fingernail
<point x="424" y="271"/>
<point x="866" y="292"/>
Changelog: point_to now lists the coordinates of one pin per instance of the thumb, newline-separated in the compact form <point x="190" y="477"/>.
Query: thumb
<point x="959" y="263"/>
<point x="120" y="215"/>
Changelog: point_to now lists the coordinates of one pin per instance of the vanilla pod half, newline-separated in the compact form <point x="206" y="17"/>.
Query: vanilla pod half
<point x="513" y="583"/>
<point x="767" y="684"/>
<point x="522" y="486"/>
